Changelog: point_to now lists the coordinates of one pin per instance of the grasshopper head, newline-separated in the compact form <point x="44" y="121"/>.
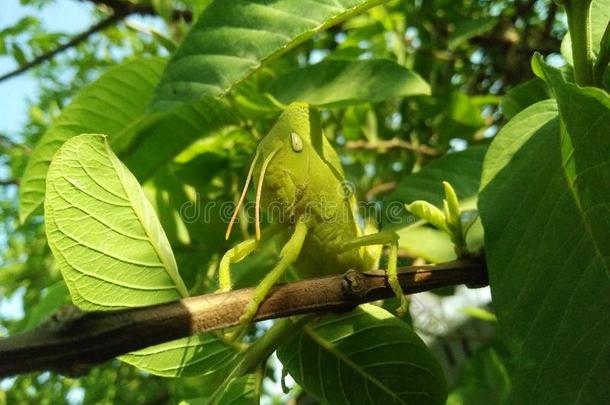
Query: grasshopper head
<point x="283" y="162"/>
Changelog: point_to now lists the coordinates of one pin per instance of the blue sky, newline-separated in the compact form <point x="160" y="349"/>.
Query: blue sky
<point x="68" y="16"/>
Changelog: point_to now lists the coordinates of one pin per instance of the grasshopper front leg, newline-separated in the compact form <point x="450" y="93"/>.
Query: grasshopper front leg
<point x="236" y="254"/>
<point x="382" y="238"/>
<point x="288" y="255"/>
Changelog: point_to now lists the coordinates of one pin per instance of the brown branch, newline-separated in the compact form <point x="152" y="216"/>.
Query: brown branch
<point x="71" y="341"/>
<point x="394" y="143"/>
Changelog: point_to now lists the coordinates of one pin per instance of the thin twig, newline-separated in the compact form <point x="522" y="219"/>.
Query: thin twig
<point x="71" y="341"/>
<point x="120" y="10"/>
<point x="83" y="36"/>
<point x="394" y="143"/>
<point x="380" y="189"/>
<point x="9" y="182"/>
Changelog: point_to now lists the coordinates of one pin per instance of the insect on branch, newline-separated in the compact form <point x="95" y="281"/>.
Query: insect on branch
<point x="71" y="341"/>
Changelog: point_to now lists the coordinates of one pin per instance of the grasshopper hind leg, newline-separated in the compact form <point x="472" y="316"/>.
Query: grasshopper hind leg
<point x="385" y="238"/>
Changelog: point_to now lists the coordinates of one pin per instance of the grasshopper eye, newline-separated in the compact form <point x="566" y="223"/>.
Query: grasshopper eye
<point x="296" y="142"/>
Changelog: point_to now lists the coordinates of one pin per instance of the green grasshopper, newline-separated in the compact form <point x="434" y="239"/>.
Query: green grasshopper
<point x="300" y="178"/>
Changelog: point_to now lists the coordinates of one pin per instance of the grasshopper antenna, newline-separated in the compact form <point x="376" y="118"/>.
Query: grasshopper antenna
<point x="242" y="197"/>
<point x="259" y="189"/>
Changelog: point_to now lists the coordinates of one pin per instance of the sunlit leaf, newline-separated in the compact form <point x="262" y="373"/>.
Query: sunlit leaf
<point x="112" y="251"/>
<point x="240" y="391"/>
<point x="233" y="39"/>
<point x="342" y="82"/>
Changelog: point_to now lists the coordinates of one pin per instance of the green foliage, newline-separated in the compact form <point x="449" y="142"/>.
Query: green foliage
<point x="112" y="250"/>
<point x="413" y="94"/>
<point x="232" y="39"/>
<point x="546" y="241"/>
<point x="484" y="379"/>
<point x="366" y="356"/>
<point x="109" y="105"/>
<point x="331" y="83"/>
<point x="241" y="391"/>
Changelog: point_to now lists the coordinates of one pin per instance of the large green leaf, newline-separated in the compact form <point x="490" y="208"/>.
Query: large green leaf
<point x="108" y="105"/>
<point x="544" y="205"/>
<point x="343" y="82"/>
<point x="363" y="357"/>
<point x="234" y="38"/>
<point x="104" y="233"/>
<point x="112" y="251"/>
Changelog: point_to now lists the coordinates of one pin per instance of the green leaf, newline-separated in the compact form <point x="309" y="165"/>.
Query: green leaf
<point x="429" y="213"/>
<point x="108" y="105"/>
<point x="467" y="28"/>
<point x="451" y="205"/>
<point x="344" y="82"/>
<point x="520" y="130"/>
<point x="240" y="391"/>
<point x="104" y="233"/>
<point x="431" y="244"/>
<point x="202" y="355"/>
<point x="461" y="169"/>
<point x="54" y="296"/>
<point x="365" y="356"/>
<point x="19" y="55"/>
<point x="154" y="140"/>
<point x="483" y="380"/>
<point x="113" y="253"/>
<point x="603" y="58"/>
<point x="233" y="39"/>
<point x="544" y="206"/>
<point x="522" y="96"/>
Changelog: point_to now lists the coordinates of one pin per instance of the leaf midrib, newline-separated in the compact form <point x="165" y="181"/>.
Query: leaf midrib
<point x="341" y="356"/>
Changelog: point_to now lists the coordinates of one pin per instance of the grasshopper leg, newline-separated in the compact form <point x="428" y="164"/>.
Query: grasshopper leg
<point x="382" y="238"/>
<point x="288" y="255"/>
<point x="236" y="254"/>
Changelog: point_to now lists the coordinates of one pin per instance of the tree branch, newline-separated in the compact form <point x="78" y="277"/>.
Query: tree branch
<point x="71" y="340"/>
<point x="120" y="10"/>
<point x="83" y="36"/>
<point x="394" y="143"/>
<point x="9" y="182"/>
